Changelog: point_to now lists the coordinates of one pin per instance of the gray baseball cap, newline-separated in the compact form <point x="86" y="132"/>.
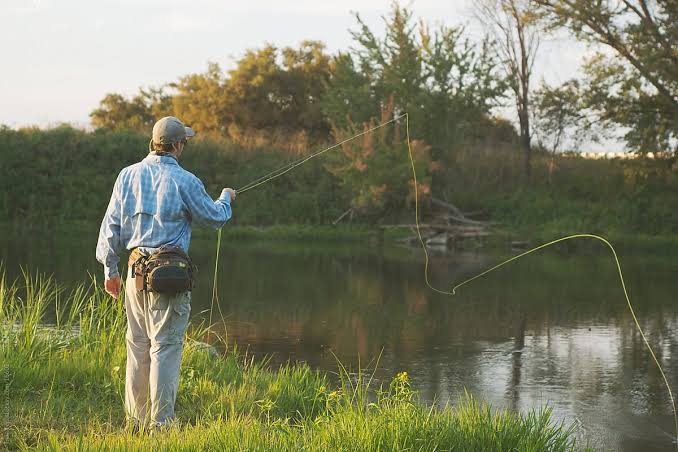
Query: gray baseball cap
<point x="170" y="130"/>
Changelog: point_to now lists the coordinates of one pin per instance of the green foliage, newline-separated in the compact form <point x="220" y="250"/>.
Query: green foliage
<point x="62" y="173"/>
<point x="65" y="176"/>
<point x="271" y="92"/>
<point x="376" y="171"/>
<point x="348" y="95"/>
<point x="561" y="117"/>
<point x="568" y="193"/>
<point x="137" y="114"/>
<point x="637" y="86"/>
<point x="199" y="101"/>
<point x="263" y="93"/>
<point x="436" y="75"/>
<point x="117" y="113"/>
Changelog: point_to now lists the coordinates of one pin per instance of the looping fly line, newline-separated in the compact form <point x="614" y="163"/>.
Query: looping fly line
<point x="290" y="166"/>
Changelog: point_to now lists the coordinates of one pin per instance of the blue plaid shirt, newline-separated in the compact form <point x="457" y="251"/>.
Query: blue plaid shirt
<point x="153" y="204"/>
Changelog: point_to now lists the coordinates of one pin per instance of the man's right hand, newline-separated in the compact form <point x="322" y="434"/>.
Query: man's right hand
<point x="113" y="286"/>
<point x="231" y="192"/>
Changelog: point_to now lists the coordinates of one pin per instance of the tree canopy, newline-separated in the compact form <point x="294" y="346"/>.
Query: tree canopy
<point x="437" y="75"/>
<point x="634" y="84"/>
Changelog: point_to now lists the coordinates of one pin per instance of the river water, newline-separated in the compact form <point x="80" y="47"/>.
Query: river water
<point x="551" y="330"/>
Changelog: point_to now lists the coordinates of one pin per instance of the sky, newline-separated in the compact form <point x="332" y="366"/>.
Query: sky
<point x="63" y="56"/>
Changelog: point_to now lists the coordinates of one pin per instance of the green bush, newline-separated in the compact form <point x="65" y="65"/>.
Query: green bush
<point x="65" y="175"/>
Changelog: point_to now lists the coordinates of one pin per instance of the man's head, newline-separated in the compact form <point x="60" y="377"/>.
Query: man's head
<point x="170" y="135"/>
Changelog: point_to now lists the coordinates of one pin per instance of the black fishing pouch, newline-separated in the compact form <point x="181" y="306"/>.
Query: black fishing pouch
<point x="168" y="271"/>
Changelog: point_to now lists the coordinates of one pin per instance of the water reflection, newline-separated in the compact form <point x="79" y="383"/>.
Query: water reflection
<point x="552" y="329"/>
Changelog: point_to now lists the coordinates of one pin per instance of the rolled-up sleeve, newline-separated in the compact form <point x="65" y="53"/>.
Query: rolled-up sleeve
<point x="203" y="209"/>
<point x="109" y="235"/>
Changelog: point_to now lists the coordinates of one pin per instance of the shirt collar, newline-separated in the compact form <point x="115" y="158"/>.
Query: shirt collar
<point x="167" y="159"/>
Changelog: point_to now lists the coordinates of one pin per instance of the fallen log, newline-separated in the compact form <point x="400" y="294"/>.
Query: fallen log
<point x="449" y="206"/>
<point x="456" y="213"/>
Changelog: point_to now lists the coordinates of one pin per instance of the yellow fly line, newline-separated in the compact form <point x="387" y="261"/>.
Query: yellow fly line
<point x="215" y="292"/>
<point x="287" y="168"/>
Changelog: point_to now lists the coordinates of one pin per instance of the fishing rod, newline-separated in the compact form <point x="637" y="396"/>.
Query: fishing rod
<point x="290" y="166"/>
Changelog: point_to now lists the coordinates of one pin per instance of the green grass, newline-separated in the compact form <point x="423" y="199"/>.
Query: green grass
<point x="63" y="387"/>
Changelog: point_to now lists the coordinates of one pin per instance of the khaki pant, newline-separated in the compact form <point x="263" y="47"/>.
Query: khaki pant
<point x="155" y="338"/>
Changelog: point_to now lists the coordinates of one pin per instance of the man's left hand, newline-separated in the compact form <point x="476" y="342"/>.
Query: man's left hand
<point x="113" y="286"/>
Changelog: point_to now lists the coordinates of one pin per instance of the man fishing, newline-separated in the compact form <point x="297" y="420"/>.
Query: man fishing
<point x="153" y="204"/>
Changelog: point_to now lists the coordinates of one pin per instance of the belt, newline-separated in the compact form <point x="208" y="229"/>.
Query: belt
<point x="137" y="253"/>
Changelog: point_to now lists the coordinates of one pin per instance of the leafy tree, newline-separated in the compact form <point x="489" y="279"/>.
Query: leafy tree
<point x="561" y="117"/>
<point x="117" y="113"/>
<point x="375" y="170"/>
<point x="262" y="93"/>
<point x="269" y="89"/>
<point x="138" y="114"/>
<point x="305" y="74"/>
<point x="394" y="65"/>
<point x="199" y="100"/>
<point x="446" y="83"/>
<point x="250" y="94"/>
<point x="637" y="86"/>
<point x="348" y="96"/>
<point x="462" y="85"/>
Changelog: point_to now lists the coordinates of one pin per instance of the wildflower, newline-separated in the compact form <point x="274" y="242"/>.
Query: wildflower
<point x="402" y="377"/>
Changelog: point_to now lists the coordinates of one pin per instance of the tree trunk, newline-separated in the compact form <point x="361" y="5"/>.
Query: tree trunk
<point x="527" y="150"/>
<point x="525" y="139"/>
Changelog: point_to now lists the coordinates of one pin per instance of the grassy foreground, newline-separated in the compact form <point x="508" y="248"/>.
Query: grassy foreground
<point x="62" y="388"/>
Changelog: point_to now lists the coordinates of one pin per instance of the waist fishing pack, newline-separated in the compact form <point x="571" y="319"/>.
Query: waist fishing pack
<point x="166" y="271"/>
